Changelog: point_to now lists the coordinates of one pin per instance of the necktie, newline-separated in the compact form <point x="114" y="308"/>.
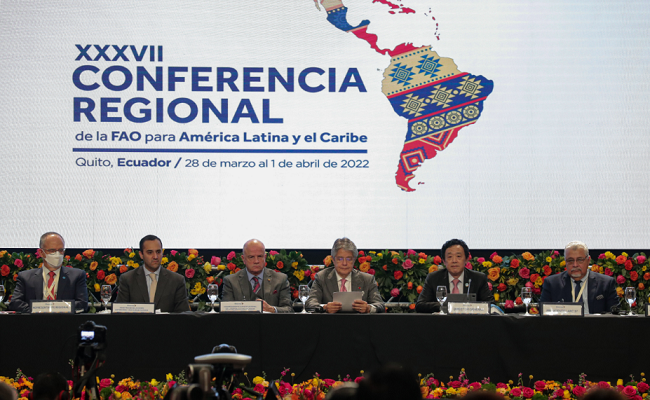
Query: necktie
<point x="152" y="288"/>
<point x="578" y="283"/>
<point x="50" y="286"/>
<point x="343" y="289"/>
<point x="455" y="282"/>
<point x="256" y="287"/>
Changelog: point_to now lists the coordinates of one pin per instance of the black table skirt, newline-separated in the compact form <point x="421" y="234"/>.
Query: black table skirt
<point x="499" y="347"/>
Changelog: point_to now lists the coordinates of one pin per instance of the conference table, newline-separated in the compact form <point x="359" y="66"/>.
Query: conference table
<point x="499" y="347"/>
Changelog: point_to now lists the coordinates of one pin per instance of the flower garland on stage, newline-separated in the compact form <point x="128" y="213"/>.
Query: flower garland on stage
<point x="400" y="275"/>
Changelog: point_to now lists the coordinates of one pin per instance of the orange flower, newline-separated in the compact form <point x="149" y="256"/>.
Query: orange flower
<point x="385" y="267"/>
<point x="364" y="266"/>
<point x="123" y="269"/>
<point x="89" y="253"/>
<point x="395" y="261"/>
<point x="412" y="306"/>
<point x="497" y="259"/>
<point x="77" y="257"/>
<point x="528" y="257"/>
<point x="621" y="259"/>
<point x="433" y="268"/>
<point x="173" y="266"/>
<point x="111" y="279"/>
<point x="279" y="265"/>
<point x="646" y="276"/>
<point x="93" y="265"/>
<point x="327" y="261"/>
<point x="409" y="285"/>
<point x="641" y="286"/>
<point x="493" y="273"/>
<point x="419" y="289"/>
<point x="194" y="252"/>
<point x="210" y="279"/>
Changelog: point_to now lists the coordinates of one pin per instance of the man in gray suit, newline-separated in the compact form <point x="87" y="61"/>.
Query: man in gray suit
<point x="153" y="284"/>
<point x="255" y="282"/>
<point x="344" y="278"/>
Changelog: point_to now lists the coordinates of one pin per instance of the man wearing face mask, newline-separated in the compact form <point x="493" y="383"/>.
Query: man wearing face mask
<point x="51" y="282"/>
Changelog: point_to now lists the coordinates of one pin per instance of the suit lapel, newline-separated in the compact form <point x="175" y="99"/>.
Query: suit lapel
<point x="245" y="285"/>
<point x="161" y="286"/>
<point x="37" y="283"/>
<point x="266" y="285"/>
<point x="443" y="280"/>
<point x="332" y="282"/>
<point x="567" y="282"/>
<point x="593" y="286"/>
<point x="64" y="284"/>
<point x="141" y="284"/>
<point x="356" y="284"/>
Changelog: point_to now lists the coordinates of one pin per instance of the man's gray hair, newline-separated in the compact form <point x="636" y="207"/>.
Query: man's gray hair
<point x="344" y="244"/>
<point x="243" y="250"/>
<point x="45" y="235"/>
<point x="575" y="245"/>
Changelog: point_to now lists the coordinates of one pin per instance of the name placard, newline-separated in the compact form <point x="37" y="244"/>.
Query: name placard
<point x="241" y="306"/>
<point x="134" y="308"/>
<point x="562" y="309"/>
<point x="476" y="308"/>
<point x="52" y="306"/>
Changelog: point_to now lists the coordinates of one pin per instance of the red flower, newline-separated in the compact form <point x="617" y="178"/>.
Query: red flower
<point x="104" y="383"/>
<point x="628" y="265"/>
<point x="608" y="272"/>
<point x="398" y="275"/>
<point x="474" y="386"/>
<point x="634" y="276"/>
<point x="534" y="277"/>
<point x="358" y="379"/>
<point x="579" y="391"/>
<point x="395" y="261"/>
<point x="189" y="273"/>
<point x="518" y="301"/>
<point x="603" y="385"/>
<point x="540" y="385"/>
<point x="210" y="279"/>
<point x="524" y="273"/>
<point x="502" y="287"/>
<point x="123" y="269"/>
<point x="642" y="387"/>
<point x="411" y="252"/>
<point x="230" y="256"/>
<point x="362" y="253"/>
<point x="537" y="291"/>
<point x="409" y="285"/>
<point x="77" y="257"/>
<point x="621" y="259"/>
<point x="515" y="392"/>
<point x="527" y="392"/>
<point x="501" y="385"/>
<point x="307" y="273"/>
<point x="18" y="263"/>
<point x="620" y="279"/>
<point x="280" y="265"/>
<point x="514" y="263"/>
<point x="437" y="260"/>
<point x="5" y="270"/>
<point x="422" y="255"/>
<point x="510" y="304"/>
<point x="370" y="271"/>
<point x="231" y="266"/>
<point x="407" y="264"/>
<point x="455" y="384"/>
<point x="101" y="275"/>
<point x="89" y="253"/>
<point x="629" y="391"/>
<point x="547" y="270"/>
<point x="497" y="259"/>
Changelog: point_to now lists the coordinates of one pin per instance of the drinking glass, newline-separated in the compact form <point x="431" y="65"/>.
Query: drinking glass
<point x="106" y="293"/>
<point x="2" y="293"/>
<point x="213" y="293"/>
<point x="303" y="292"/>
<point x="630" y="296"/>
<point x="527" y="297"/>
<point x="441" y="296"/>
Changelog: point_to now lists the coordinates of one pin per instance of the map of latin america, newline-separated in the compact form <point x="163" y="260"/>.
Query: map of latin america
<point x="429" y="91"/>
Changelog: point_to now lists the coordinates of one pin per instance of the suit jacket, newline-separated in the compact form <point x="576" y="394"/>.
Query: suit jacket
<point x="29" y="286"/>
<point x="427" y="302"/>
<point x="275" y="289"/>
<point x="325" y="284"/>
<point x="601" y="297"/>
<point x="171" y="293"/>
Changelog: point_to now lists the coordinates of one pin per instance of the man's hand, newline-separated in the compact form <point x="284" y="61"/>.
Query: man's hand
<point x="361" y="306"/>
<point x="266" y="307"/>
<point x="333" y="307"/>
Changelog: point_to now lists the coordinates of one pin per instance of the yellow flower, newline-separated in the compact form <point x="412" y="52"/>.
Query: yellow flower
<point x="644" y="268"/>
<point x="154" y="382"/>
<point x="207" y="267"/>
<point x="619" y="382"/>
<point x="97" y="287"/>
<point x="563" y="263"/>
<point x="221" y="267"/>
<point x="539" y="281"/>
<point x="198" y="289"/>
<point x="2" y="253"/>
<point x="117" y="395"/>
<point x="169" y="377"/>
<point x="496" y="297"/>
<point x="610" y="255"/>
<point x="501" y="391"/>
<point x="567" y="394"/>
<point x="136" y="265"/>
<point x="451" y="391"/>
<point x="528" y="256"/>
<point x="512" y="281"/>
<point x="164" y="260"/>
<point x="433" y="268"/>
<point x="294" y="264"/>
<point x="130" y="263"/>
<point x="265" y="383"/>
<point x="549" y="259"/>
<point x="462" y="391"/>
<point x="131" y="254"/>
<point x="299" y="274"/>
<point x="487" y="264"/>
<point x="421" y="260"/>
<point x="110" y="267"/>
<point x="624" y="254"/>
<point x="380" y="255"/>
<point x="437" y="393"/>
<point x="191" y="257"/>
<point x="126" y="396"/>
<point x="619" y="291"/>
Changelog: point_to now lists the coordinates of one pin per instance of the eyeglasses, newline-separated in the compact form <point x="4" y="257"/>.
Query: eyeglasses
<point x="574" y="260"/>
<point x="52" y="251"/>
<point x="340" y="259"/>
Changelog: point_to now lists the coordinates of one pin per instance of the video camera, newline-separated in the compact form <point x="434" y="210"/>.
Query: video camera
<point x="222" y="364"/>
<point x="92" y="335"/>
<point x="90" y="356"/>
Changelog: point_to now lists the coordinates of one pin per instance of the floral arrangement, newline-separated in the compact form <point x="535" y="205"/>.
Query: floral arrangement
<point x="317" y="388"/>
<point x="399" y="275"/>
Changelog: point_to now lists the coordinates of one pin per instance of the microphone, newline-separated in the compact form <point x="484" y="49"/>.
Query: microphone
<point x="469" y="285"/>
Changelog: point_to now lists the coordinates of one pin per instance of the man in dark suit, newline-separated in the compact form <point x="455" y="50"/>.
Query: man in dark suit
<point x="153" y="284"/>
<point x="577" y="283"/>
<point x="344" y="278"/>
<point x="455" y="277"/>
<point x="51" y="282"/>
<point x="255" y="282"/>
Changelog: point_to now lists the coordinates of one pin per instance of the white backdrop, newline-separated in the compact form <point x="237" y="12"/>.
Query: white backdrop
<point x="559" y="153"/>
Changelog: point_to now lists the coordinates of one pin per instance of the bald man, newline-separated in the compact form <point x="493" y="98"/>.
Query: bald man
<point x="256" y="282"/>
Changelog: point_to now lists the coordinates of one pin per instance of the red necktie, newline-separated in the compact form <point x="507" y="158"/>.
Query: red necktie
<point x="343" y="289"/>
<point x="455" y="282"/>
<point x="50" y="287"/>
<point x="257" y="284"/>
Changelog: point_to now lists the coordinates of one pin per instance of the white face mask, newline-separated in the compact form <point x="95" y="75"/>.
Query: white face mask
<point x="55" y="259"/>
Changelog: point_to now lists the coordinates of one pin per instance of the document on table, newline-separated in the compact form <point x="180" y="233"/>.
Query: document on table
<point x="347" y="298"/>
